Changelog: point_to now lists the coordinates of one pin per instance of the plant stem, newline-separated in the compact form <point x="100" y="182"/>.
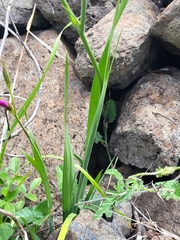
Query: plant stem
<point x="105" y="126"/>
<point x="91" y="56"/>
<point x="83" y="15"/>
<point x="7" y="120"/>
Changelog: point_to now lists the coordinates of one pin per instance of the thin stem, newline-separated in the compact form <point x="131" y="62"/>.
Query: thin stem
<point x="105" y="126"/>
<point x="83" y="15"/>
<point x="6" y="27"/>
<point x="7" y="120"/>
<point x="161" y="172"/>
<point x="91" y="56"/>
<point x="23" y="128"/>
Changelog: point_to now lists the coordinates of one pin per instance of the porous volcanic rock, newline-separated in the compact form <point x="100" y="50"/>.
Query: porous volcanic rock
<point x="148" y="131"/>
<point x="120" y="224"/>
<point x="167" y="28"/>
<point x="135" y="52"/>
<point x="55" y="14"/>
<point x="84" y="227"/>
<point x="20" y="13"/>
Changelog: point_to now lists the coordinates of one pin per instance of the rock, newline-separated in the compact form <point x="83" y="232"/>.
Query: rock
<point x="48" y="126"/>
<point x="166" y="214"/>
<point x="84" y="227"/>
<point x="20" y="13"/>
<point x="56" y="15"/>
<point x="148" y="133"/>
<point x="135" y="51"/>
<point x="54" y="235"/>
<point x="120" y="224"/>
<point x="166" y="28"/>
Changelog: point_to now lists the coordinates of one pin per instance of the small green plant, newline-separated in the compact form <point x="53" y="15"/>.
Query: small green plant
<point x="12" y="184"/>
<point x="36" y="161"/>
<point x="105" y="202"/>
<point x="72" y="191"/>
<point x="13" y="195"/>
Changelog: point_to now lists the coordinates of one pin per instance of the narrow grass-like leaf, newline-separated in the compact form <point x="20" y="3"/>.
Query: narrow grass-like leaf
<point x="69" y="179"/>
<point x="74" y="20"/>
<point x="93" y="182"/>
<point x="92" y="188"/>
<point x="65" y="226"/>
<point x="94" y="115"/>
<point x="59" y="174"/>
<point x="38" y="164"/>
<point x="78" y="158"/>
<point x="97" y="97"/>
<point x="83" y="15"/>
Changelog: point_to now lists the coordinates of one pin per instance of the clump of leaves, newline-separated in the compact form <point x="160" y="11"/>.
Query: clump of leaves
<point x="13" y="195"/>
<point x="123" y="190"/>
<point x="169" y="189"/>
<point x="12" y="186"/>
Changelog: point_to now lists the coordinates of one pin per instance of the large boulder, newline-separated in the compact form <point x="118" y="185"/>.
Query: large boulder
<point x="20" y="13"/>
<point x="121" y="224"/>
<point x="55" y="14"/>
<point x="135" y="51"/>
<point x="147" y="134"/>
<point x="167" y="28"/>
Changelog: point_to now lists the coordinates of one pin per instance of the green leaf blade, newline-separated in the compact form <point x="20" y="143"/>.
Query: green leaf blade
<point x="35" y="183"/>
<point x="69" y="179"/>
<point x="6" y="231"/>
<point x="14" y="164"/>
<point x="31" y="197"/>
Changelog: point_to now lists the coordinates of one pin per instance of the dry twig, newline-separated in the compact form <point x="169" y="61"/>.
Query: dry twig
<point x="6" y="25"/>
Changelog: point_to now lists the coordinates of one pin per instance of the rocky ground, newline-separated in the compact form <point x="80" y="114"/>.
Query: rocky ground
<point x="144" y="83"/>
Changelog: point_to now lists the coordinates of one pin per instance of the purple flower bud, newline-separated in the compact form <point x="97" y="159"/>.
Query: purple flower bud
<point x="5" y="105"/>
